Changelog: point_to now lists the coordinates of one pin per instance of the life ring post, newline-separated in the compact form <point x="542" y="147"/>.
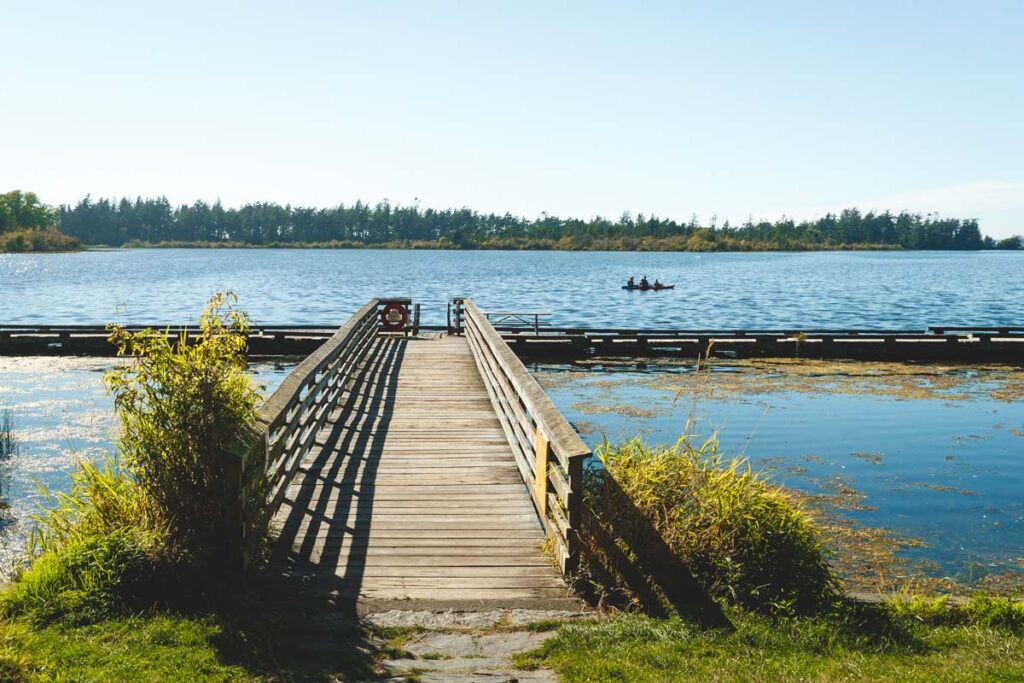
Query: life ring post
<point x="394" y="315"/>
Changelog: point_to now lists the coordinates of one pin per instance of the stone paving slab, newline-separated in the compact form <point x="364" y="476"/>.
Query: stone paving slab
<point x="452" y="619"/>
<point x="455" y="645"/>
<point x="451" y="653"/>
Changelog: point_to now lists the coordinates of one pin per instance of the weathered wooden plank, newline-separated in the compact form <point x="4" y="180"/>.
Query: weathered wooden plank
<point x="412" y="487"/>
<point x="454" y="534"/>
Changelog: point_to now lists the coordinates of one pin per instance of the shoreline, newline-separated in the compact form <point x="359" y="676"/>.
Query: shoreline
<point x="437" y="246"/>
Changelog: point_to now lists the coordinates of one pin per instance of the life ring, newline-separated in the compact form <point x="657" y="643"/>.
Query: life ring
<point x="394" y="317"/>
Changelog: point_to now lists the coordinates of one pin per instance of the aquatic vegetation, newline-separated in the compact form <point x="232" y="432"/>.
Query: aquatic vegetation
<point x="872" y="458"/>
<point x="743" y="538"/>
<point x="624" y="409"/>
<point x="741" y="379"/>
<point x="8" y="450"/>
<point x="856" y="461"/>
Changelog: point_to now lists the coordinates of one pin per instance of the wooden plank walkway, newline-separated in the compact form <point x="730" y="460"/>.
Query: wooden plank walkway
<point x="412" y="493"/>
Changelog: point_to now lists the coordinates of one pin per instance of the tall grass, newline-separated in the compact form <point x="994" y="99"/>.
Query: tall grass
<point x="743" y="538"/>
<point x="980" y="610"/>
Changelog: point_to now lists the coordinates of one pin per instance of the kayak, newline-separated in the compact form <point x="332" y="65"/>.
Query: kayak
<point x="651" y="288"/>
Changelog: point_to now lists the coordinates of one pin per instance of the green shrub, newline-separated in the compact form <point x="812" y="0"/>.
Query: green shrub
<point x="180" y="403"/>
<point x="47" y="239"/>
<point x="93" y="550"/>
<point x="147" y="528"/>
<point x="87" y="578"/>
<point x="742" y="538"/>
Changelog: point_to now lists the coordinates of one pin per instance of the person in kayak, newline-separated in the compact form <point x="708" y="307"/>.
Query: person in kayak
<point x="644" y="283"/>
<point x="657" y="285"/>
<point x="631" y="282"/>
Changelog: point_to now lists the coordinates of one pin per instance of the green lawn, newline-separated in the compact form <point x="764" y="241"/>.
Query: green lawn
<point x="639" y="649"/>
<point x="256" y="645"/>
<point x="163" y="647"/>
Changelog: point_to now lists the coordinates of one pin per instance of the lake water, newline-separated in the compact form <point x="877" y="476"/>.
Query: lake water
<point x="935" y="454"/>
<point x="819" y="289"/>
<point x="939" y="457"/>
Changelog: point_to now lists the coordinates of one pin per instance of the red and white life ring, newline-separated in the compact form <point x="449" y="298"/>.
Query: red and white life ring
<point x="394" y="317"/>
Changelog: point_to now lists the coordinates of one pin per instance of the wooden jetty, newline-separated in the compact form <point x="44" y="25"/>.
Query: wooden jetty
<point x="965" y="344"/>
<point x="392" y="467"/>
<point x="530" y="338"/>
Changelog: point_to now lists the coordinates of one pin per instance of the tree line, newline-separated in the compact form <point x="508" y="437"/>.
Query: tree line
<point x="156" y="221"/>
<point x="26" y="224"/>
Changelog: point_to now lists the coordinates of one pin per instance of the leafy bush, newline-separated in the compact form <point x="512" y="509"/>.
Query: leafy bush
<point x="180" y="403"/>
<point x="147" y="528"/>
<point x="48" y="239"/>
<point x="742" y="538"/>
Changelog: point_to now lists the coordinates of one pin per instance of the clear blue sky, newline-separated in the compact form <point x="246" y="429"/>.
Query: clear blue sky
<point x="719" y="108"/>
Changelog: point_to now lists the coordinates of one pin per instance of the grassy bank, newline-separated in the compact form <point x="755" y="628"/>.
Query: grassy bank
<point x="923" y="641"/>
<point x="244" y="644"/>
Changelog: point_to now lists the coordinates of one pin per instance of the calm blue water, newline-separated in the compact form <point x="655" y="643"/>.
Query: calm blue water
<point x="869" y="289"/>
<point x="946" y="471"/>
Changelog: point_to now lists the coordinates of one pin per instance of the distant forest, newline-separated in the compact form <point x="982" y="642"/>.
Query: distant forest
<point x="155" y="222"/>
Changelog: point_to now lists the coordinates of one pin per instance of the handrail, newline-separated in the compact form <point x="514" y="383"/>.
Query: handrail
<point x="547" y="450"/>
<point x="263" y="459"/>
<point x="516" y="319"/>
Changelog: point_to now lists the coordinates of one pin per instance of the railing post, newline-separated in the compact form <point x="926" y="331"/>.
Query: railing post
<point x="574" y="514"/>
<point x="458" y="311"/>
<point x="232" y="509"/>
<point x="542" y="449"/>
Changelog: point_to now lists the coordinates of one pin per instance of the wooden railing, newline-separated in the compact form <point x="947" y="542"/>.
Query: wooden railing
<point x="262" y="461"/>
<point x="548" y="451"/>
